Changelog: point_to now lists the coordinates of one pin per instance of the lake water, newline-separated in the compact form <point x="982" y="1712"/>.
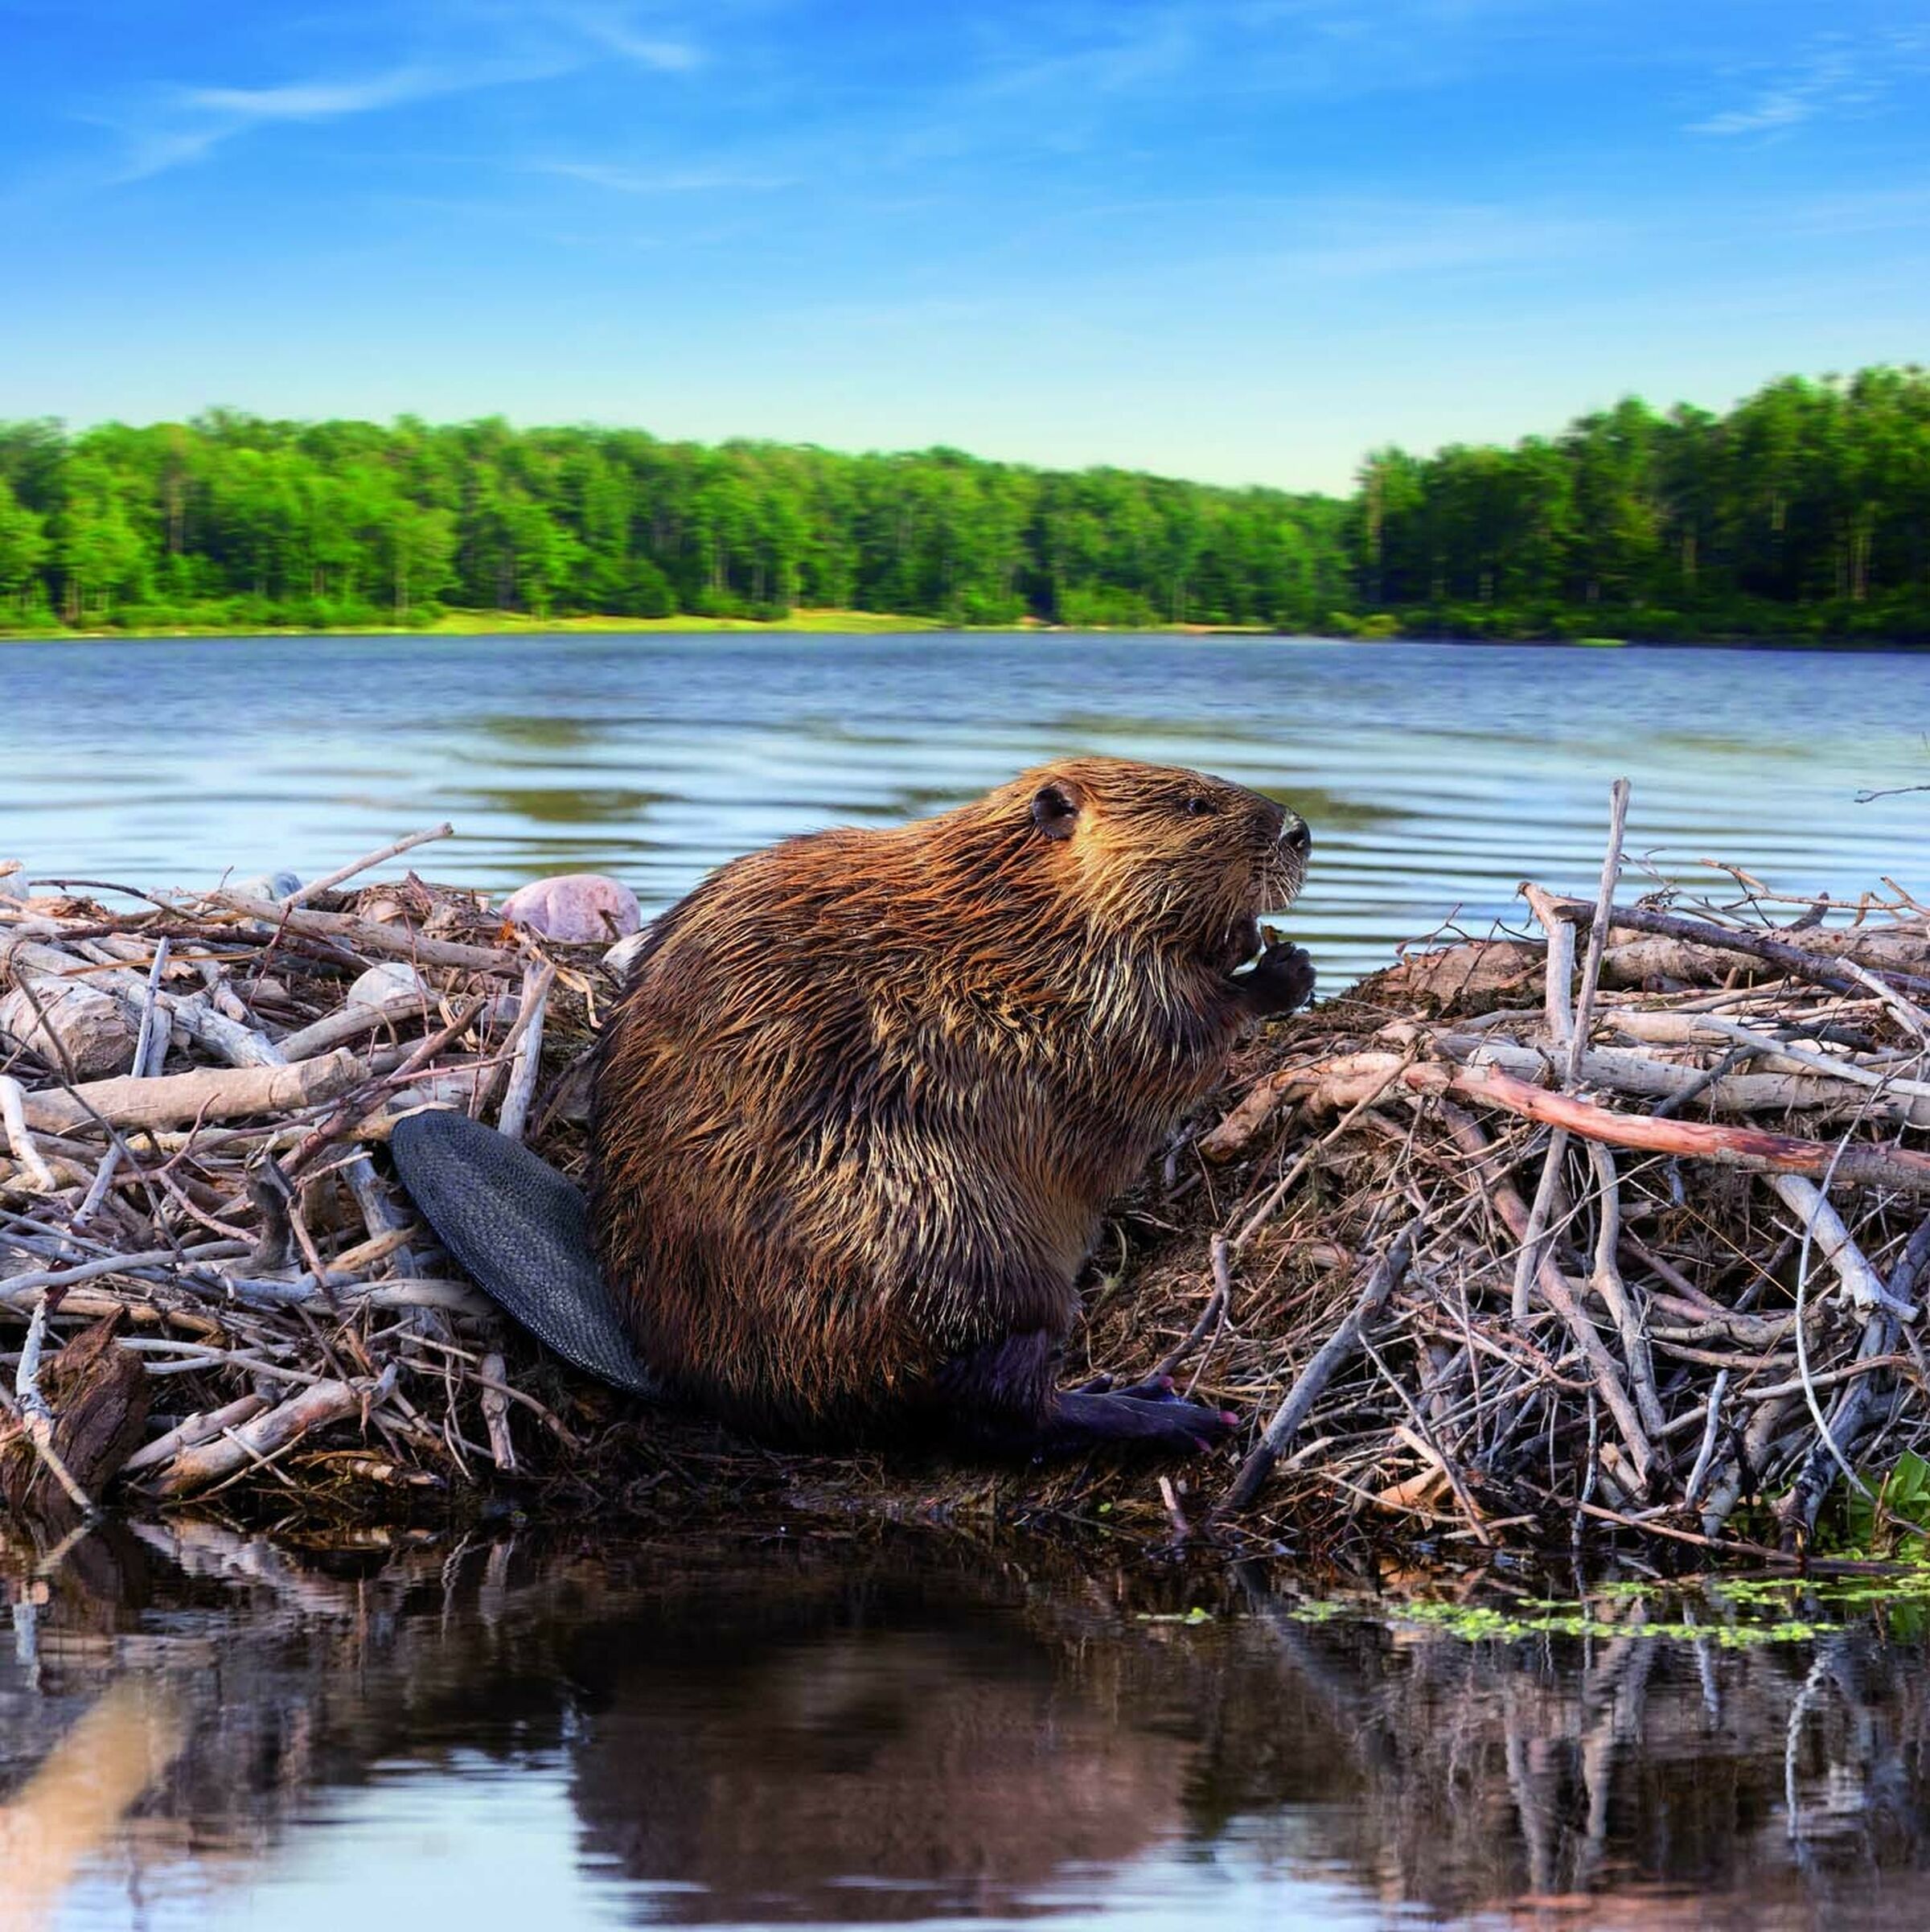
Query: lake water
<point x="907" y="1729"/>
<point x="200" y="1730"/>
<point x="1436" y="777"/>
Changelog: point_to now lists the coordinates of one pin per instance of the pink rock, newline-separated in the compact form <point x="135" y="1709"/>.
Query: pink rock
<point x="576" y="907"/>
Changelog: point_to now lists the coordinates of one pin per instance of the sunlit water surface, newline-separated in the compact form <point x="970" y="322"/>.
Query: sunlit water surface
<point x="911" y="1730"/>
<point x="1436" y="777"/>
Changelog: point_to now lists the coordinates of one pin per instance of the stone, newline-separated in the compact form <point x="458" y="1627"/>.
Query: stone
<point x="578" y="908"/>
<point x="394" y="983"/>
<point x="266" y="886"/>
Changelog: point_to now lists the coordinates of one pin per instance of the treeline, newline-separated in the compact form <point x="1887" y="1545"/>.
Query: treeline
<point x="1805" y="510"/>
<point x="231" y="518"/>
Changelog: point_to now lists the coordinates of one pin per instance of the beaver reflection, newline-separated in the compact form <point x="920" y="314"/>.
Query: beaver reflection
<point x="885" y="1748"/>
<point x="896" y="1740"/>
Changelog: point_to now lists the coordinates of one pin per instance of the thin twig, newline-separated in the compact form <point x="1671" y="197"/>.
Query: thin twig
<point x="329" y="882"/>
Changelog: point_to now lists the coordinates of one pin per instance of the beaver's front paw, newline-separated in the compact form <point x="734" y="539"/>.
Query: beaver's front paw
<point x="1281" y="982"/>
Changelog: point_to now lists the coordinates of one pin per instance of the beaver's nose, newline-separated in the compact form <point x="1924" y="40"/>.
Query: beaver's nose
<point x="1295" y="836"/>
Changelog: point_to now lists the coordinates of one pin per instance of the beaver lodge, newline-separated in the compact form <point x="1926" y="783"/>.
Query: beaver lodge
<point x="1613" y="1234"/>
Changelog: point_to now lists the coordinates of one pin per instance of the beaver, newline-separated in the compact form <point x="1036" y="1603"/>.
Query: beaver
<point x="865" y="1096"/>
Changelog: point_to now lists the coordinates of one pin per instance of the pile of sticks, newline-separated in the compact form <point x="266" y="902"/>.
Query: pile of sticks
<point x="1617" y="1229"/>
<point x="1527" y="1240"/>
<point x="193" y="1089"/>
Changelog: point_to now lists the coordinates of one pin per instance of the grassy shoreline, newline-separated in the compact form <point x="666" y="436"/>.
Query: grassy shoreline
<point x="516" y="623"/>
<point x="496" y="623"/>
<point x="1413" y="628"/>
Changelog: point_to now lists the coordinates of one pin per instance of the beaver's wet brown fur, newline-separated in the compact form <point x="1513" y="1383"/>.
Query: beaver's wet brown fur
<point x="869" y="1091"/>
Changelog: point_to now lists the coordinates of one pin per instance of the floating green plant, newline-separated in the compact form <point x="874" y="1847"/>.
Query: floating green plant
<point x="1475" y="1623"/>
<point x="1321" y="1610"/>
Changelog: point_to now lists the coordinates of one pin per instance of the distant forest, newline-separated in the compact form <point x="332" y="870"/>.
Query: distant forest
<point x="1805" y="511"/>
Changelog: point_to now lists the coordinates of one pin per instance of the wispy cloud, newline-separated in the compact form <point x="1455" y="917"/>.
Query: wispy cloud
<point x="1829" y="79"/>
<point x="613" y="28"/>
<point x="1866" y="211"/>
<point x="321" y="100"/>
<point x="192" y="122"/>
<point x="1109" y="56"/>
<point x="182" y="125"/>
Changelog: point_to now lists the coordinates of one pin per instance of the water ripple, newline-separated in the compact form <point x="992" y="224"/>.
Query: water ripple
<point x="1436" y="777"/>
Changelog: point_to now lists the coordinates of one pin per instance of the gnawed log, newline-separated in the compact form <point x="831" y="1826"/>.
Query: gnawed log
<point x="97" y="1396"/>
<point x="70" y="1025"/>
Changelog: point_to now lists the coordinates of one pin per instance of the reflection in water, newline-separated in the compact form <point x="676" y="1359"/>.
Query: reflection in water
<point x="78" y="1793"/>
<point x="1434" y="776"/>
<point x="918" y="1729"/>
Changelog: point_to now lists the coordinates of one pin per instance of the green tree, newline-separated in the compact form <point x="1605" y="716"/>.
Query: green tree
<point x="97" y="547"/>
<point x="23" y="549"/>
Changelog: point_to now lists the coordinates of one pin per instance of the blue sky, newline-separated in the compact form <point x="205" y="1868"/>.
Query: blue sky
<point x="1242" y="239"/>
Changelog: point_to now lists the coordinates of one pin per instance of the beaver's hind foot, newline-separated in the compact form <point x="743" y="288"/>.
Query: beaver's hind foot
<point x="1000" y="1398"/>
<point x="1163" y="1422"/>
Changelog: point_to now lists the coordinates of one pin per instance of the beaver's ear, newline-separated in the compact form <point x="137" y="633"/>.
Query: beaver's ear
<point x="1055" y="809"/>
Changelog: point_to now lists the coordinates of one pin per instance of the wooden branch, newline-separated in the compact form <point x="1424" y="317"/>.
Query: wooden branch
<point x="64" y="1017"/>
<point x="1248" y="1119"/>
<point x="13" y="1287"/>
<point x="1570" y="1031"/>
<point x="1557" y="977"/>
<point x="1631" y="1317"/>
<point x="13" y="1118"/>
<point x="495" y="1413"/>
<point x="315" y="1408"/>
<point x="211" y="1093"/>
<point x="372" y="935"/>
<point x="1344" y="1079"/>
<point x="1560" y="1296"/>
<point x="1803" y="963"/>
<point x="195" y="1430"/>
<point x="1598" y="929"/>
<point x="329" y="882"/>
<point x="194" y="1014"/>
<point x="537" y="980"/>
<point x="1213" y="1315"/>
<point x="1861" y="1282"/>
<point x="1786" y="1056"/>
<point x="1644" y="1077"/>
<point x="395" y="999"/>
<point x="1863" y="1163"/>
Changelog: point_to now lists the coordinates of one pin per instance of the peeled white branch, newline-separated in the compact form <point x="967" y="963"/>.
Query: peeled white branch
<point x="1861" y="1282"/>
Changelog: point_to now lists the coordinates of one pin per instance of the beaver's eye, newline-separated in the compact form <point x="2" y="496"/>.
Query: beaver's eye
<point x="1198" y="807"/>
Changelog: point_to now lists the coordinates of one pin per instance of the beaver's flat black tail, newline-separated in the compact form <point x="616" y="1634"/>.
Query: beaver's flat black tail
<point x="522" y="1232"/>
